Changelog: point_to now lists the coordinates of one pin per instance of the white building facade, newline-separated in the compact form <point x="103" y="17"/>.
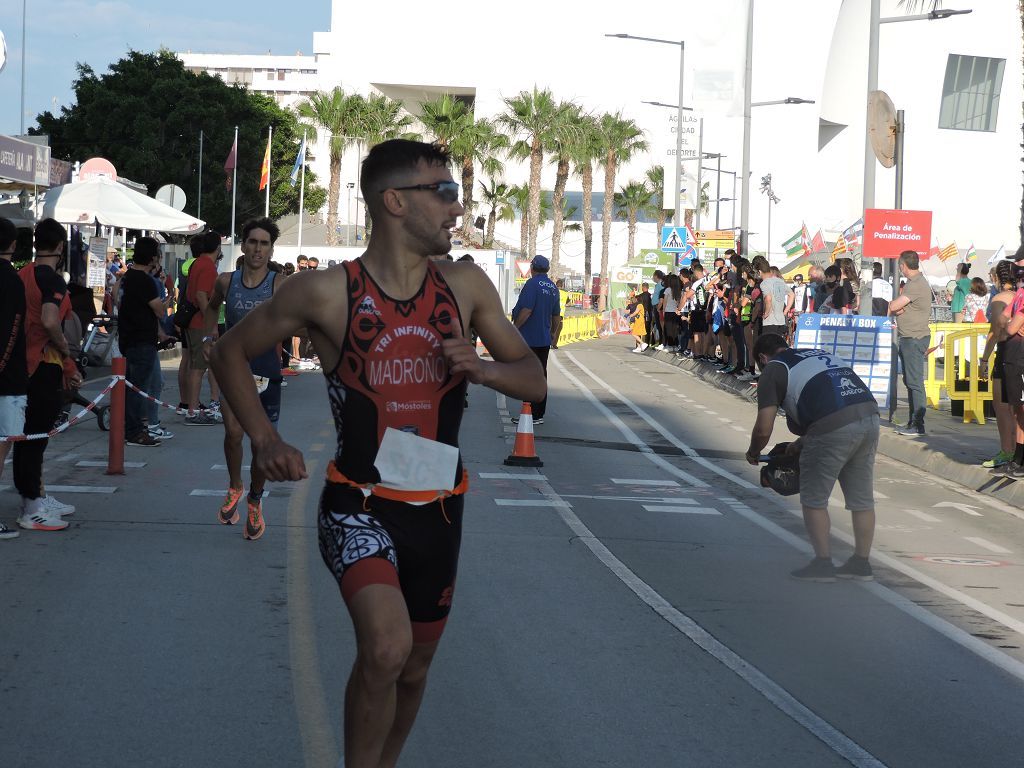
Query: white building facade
<point x="958" y="80"/>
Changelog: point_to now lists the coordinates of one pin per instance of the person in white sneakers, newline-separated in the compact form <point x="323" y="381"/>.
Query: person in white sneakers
<point x="50" y="369"/>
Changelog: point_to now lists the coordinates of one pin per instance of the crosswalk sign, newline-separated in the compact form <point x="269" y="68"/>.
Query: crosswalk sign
<point x="673" y="239"/>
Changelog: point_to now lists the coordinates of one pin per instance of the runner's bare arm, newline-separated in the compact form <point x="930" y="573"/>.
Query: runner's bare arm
<point x="314" y="302"/>
<point x="513" y="370"/>
<point x="220" y="290"/>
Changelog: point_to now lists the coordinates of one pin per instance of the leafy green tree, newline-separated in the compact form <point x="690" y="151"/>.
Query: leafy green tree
<point x="145" y="114"/>
<point x="562" y="140"/>
<point x="620" y="140"/>
<point x="521" y="195"/>
<point x="656" y="183"/>
<point x="630" y="201"/>
<point x="585" y="152"/>
<point x="531" y="116"/>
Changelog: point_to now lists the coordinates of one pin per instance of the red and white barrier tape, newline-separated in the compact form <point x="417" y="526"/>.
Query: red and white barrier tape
<point x="161" y="403"/>
<point x="70" y="422"/>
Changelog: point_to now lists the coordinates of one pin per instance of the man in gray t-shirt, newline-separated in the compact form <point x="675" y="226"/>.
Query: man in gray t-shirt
<point x="777" y="299"/>
<point x="912" y="310"/>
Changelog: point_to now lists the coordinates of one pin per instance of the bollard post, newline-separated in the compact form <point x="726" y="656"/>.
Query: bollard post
<point x="115" y="452"/>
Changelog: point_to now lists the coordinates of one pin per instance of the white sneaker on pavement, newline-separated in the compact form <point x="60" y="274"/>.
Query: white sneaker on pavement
<point x="35" y="517"/>
<point x="6" y="532"/>
<point x="59" y="508"/>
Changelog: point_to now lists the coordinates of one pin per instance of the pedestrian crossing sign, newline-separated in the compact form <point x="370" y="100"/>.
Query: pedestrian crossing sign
<point x="674" y="239"/>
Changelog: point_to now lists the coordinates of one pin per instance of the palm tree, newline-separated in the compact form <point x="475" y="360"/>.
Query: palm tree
<point x="656" y="183"/>
<point x="498" y="197"/>
<point x="444" y="118"/>
<point x="584" y="153"/>
<point x="531" y="115"/>
<point x="520" y="195"/>
<point x="477" y="143"/>
<point x="705" y="205"/>
<point x="630" y="201"/>
<point x="336" y="113"/>
<point x="620" y="139"/>
<point x="379" y="119"/>
<point x="561" y="142"/>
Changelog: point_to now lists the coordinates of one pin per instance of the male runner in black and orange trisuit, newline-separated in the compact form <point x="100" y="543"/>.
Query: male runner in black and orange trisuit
<point x="391" y="329"/>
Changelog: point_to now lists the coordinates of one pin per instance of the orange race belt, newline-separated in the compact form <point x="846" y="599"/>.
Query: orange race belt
<point x="335" y="475"/>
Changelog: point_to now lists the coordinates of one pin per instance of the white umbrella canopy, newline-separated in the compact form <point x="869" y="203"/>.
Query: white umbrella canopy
<point x="114" y="205"/>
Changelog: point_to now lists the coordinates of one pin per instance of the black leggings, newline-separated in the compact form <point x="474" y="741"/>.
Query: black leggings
<point x="671" y="329"/>
<point x="45" y="399"/>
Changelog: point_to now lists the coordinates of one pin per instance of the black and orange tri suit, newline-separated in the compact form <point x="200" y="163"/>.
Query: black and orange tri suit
<point x="393" y="373"/>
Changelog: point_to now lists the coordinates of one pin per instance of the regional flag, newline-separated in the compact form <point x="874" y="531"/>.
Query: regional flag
<point x="840" y="247"/>
<point x="932" y="252"/>
<point x="854" y="234"/>
<point x="229" y="164"/>
<point x="265" y="168"/>
<point x="972" y="253"/>
<point x="300" y="162"/>
<point x="997" y="256"/>
<point x="796" y="247"/>
<point x="949" y="252"/>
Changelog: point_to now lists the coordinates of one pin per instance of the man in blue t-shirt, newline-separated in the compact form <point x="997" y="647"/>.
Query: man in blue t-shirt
<point x="538" y="317"/>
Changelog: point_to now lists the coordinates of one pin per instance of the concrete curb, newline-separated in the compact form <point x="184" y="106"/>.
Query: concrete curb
<point x="903" y="449"/>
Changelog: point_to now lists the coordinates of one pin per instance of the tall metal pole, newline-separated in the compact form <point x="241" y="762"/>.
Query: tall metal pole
<point x="199" y="197"/>
<point x="700" y="172"/>
<point x="266" y="205"/>
<point x="302" y="193"/>
<point x="678" y="220"/>
<point x="348" y="213"/>
<point x="24" y="5"/>
<point x="718" y="195"/>
<point x="869" y="154"/>
<point x="745" y="169"/>
<point x="890" y="268"/>
<point x="899" y="160"/>
<point x="768" y="248"/>
<point x="234" y="194"/>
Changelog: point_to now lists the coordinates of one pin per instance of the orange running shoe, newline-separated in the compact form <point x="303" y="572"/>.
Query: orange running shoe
<point x="254" y="525"/>
<point x="228" y="514"/>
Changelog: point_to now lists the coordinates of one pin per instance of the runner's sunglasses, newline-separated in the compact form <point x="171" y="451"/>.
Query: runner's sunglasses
<point x="448" y="191"/>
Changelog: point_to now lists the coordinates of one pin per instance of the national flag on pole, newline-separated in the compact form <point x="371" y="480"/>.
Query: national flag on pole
<point x="805" y="237"/>
<point x="818" y="243"/>
<point x="997" y="256"/>
<point x="229" y="164"/>
<point x="796" y="246"/>
<point x="265" y="168"/>
<point x="300" y="161"/>
<point x="840" y="247"/>
<point x="854" y="234"/>
<point x="972" y="253"/>
<point x="949" y="252"/>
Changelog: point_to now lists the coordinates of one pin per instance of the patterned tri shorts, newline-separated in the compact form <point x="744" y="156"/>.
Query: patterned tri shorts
<point x="370" y="540"/>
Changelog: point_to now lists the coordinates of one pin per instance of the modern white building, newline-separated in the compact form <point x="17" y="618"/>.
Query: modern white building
<point x="958" y="80"/>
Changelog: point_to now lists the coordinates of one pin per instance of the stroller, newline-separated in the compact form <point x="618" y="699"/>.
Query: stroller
<point x="98" y="348"/>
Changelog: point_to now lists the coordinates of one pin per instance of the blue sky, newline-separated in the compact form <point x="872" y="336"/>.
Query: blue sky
<point x="61" y="33"/>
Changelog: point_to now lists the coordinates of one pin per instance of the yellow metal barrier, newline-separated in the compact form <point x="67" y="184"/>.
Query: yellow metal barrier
<point x="933" y="384"/>
<point x="578" y="328"/>
<point x="963" y="349"/>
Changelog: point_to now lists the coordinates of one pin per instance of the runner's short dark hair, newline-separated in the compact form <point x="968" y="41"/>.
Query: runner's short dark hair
<point x="261" y="223"/>
<point x="49" y="234"/>
<point x="205" y="242"/>
<point x="147" y="250"/>
<point x="876" y="270"/>
<point x="769" y="344"/>
<point x="8" y="234"/>
<point x="388" y="162"/>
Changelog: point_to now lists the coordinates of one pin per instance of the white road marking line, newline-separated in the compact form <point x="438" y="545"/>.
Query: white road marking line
<point x="509" y="476"/>
<point x="943" y="627"/>
<point x="724" y="418"/>
<point x="216" y="492"/>
<point x="245" y="467"/>
<point x="738" y="428"/>
<point x="922" y="516"/>
<point x="986" y="544"/>
<point x="755" y="678"/>
<point x="509" y="430"/>
<point x="880" y="495"/>
<point x="710" y="413"/>
<point x="98" y="464"/>
<point x="620" y="481"/>
<point x="82" y="488"/>
<point x="682" y="510"/>
<point x="531" y="503"/>
<point x="654" y="499"/>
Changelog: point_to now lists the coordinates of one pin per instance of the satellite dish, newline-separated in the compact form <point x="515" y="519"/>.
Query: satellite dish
<point x="3" y="52"/>
<point x="172" y="195"/>
<point x="882" y="127"/>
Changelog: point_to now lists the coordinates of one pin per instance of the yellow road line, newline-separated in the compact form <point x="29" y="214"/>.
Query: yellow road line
<point x="318" y="745"/>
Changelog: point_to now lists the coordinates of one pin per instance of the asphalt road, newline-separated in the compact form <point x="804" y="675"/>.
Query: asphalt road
<point x="626" y="605"/>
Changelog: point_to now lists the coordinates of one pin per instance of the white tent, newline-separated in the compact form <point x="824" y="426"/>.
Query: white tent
<point x="114" y="205"/>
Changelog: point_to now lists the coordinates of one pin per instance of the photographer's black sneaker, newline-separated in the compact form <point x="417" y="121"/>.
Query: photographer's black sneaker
<point x="819" y="569"/>
<point x="856" y="567"/>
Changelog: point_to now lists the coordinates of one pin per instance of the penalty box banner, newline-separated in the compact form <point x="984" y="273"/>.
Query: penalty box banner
<point x="864" y="342"/>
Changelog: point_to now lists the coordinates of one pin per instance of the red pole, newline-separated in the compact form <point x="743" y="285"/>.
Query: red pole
<point x="115" y="453"/>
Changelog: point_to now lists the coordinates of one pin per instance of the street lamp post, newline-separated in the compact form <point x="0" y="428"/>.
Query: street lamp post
<point x="766" y="188"/>
<point x="679" y="114"/>
<point x="348" y="212"/>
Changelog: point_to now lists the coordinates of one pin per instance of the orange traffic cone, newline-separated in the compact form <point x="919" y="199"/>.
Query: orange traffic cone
<point x="524" y="454"/>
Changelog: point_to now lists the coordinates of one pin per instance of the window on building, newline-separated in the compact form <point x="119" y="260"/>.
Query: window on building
<point x="280" y="74"/>
<point x="270" y="74"/>
<point x="970" y="93"/>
